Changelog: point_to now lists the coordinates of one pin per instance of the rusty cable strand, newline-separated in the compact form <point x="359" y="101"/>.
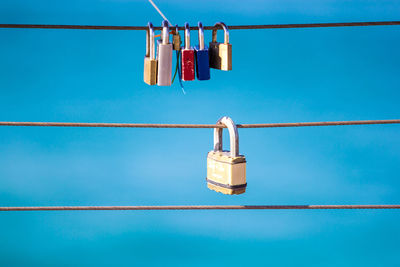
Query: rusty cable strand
<point x="233" y="27"/>
<point x="157" y="125"/>
<point x="206" y="207"/>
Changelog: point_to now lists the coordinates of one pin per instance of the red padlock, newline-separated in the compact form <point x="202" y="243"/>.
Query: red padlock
<point x="187" y="63"/>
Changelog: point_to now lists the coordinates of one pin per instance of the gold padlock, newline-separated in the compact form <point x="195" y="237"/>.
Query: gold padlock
<point x="226" y="170"/>
<point x="150" y="61"/>
<point x="220" y="53"/>
<point x="176" y="39"/>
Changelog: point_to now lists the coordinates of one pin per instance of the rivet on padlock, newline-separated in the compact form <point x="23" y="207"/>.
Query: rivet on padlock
<point x="202" y="57"/>
<point x="220" y="53"/>
<point x="187" y="64"/>
<point x="164" y="57"/>
<point x="226" y="170"/>
<point x="176" y="39"/>
<point x="150" y="62"/>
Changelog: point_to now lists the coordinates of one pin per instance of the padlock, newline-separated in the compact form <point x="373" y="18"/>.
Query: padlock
<point x="220" y="53"/>
<point x="164" y="57"/>
<point x="176" y="39"/>
<point x="202" y="57"/>
<point x="150" y="62"/>
<point x="226" y="170"/>
<point x="187" y="62"/>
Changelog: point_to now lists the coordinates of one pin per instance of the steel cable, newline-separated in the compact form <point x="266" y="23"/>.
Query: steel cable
<point x="197" y="207"/>
<point x="232" y="27"/>
<point x="156" y="125"/>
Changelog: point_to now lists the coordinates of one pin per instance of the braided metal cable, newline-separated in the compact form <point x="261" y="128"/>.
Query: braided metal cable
<point x="158" y="125"/>
<point x="197" y="207"/>
<point x="233" y="27"/>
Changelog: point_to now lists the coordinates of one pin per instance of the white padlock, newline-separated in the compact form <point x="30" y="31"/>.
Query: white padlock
<point x="164" y="57"/>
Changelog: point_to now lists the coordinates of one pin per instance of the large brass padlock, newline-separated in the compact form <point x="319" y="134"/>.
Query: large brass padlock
<point x="226" y="170"/>
<point x="150" y="61"/>
<point x="220" y="53"/>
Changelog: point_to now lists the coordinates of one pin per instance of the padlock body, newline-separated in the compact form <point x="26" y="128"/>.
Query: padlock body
<point x="150" y="71"/>
<point x="226" y="174"/>
<point x="164" y="70"/>
<point x="220" y="56"/>
<point x="176" y="41"/>
<point x="187" y="64"/>
<point x="202" y="63"/>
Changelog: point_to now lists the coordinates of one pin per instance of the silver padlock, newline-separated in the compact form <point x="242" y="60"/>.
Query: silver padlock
<point x="226" y="170"/>
<point x="164" y="57"/>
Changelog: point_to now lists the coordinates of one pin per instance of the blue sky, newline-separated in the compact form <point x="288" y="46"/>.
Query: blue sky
<point x="287" y="75"/>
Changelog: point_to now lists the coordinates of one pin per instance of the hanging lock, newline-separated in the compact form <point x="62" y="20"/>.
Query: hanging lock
<point x="220" y="53"/>
<point x="202" y="57"/>
<point x="164" y="57"/>
<point x="226" y="170"/>
<point x="187" y="64"/>
<point x="176" y="39"/>
<point x="150" y="62"/>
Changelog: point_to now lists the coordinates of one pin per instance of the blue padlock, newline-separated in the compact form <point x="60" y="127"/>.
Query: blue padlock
<point x="202" y="57"/>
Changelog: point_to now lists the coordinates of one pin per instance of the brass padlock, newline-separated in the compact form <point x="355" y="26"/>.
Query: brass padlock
<point x="226" y="170"/>
<point x="220" y="53"/>
<point x="176" y="39"/>
<point x="150" y="62"/>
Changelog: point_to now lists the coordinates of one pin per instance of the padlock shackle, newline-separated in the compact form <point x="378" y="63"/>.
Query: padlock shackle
<point x="233" y="136"/>
<point x="226" y="32"/>
<point x="165" y="32"/>
<point x="201" y="36"/>
<point x="176" y="29"/>
<point x="150" y="51"/>
<point x="187" y="36"/>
